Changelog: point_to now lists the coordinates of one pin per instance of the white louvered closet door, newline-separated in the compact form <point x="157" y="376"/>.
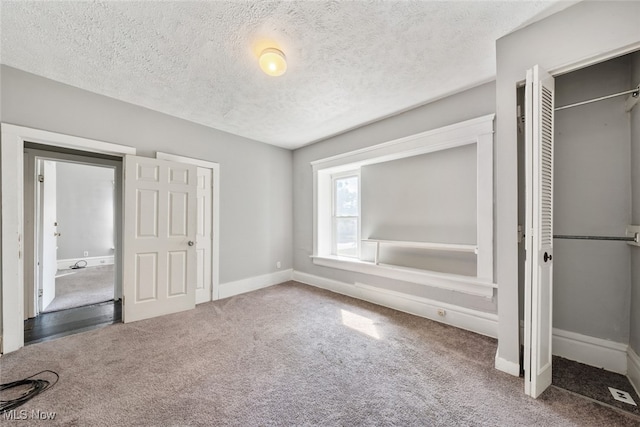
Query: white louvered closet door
<point x="539" y="118"/>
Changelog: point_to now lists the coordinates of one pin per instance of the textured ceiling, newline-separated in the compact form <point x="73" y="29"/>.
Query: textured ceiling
<point x="349" y="63"/>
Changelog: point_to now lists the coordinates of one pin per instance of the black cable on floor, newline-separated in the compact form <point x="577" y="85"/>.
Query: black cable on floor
<point x="34" y="388"/>
<point x="77" y="265"/>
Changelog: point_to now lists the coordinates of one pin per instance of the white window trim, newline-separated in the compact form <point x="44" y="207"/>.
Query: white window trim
<point x="477" y="131"/>
<point x="334" y="241"/>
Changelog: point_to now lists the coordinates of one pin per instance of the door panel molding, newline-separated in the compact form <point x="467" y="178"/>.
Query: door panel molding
<point x="204" y="293"/>
<point x="159" y="275"/>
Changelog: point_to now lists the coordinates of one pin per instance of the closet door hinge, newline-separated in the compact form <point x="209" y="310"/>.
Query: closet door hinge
<point x="40" y="178"/>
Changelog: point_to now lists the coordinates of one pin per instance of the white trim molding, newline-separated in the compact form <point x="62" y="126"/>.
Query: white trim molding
<point x="451" y="136"/>
<point x="478" y="131"/>
<point x="39" y="136"/>
<point x="507" y="366"/>
<point x="12" y="200"/>
<point x="215" y="212"/>
<point x="249" y="284"/>
<point x="94" y="261"/>
<point x="633" y="369"/>
<point x="455" y="282"/>
<point x="464" y="318"/>
<point x="591" y="351"/>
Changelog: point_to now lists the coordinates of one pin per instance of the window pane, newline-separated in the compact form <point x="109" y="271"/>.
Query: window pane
<point x="347" y="237"/>
<point x="347" y="196"/>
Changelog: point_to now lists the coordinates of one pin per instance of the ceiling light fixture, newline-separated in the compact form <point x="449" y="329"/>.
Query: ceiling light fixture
<point x="273" y="62"/>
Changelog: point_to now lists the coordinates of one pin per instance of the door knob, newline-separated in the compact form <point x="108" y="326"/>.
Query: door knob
<point x="547" y="257"/>
<point x="190" y="243"/>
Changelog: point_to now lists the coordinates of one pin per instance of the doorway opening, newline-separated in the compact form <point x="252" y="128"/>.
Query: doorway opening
<point x="596" y="202"/>
<point x="71" y="239"/>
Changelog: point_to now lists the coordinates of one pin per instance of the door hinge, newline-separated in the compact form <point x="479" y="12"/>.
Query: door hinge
<point x="39" y="293"/>
<point x="40" y="178"/>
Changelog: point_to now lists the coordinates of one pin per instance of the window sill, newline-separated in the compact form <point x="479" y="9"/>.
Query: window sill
<point x="455" y="282"/>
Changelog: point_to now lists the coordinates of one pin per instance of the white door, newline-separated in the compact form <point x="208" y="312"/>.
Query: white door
<point x="49" y="229"/>
<point x="539" y="118"/>
<point x="204" y="235"/>
<point x="159" y="238"/>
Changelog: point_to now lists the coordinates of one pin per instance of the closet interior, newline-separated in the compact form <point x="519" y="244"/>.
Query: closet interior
<point x="596" y="203"/>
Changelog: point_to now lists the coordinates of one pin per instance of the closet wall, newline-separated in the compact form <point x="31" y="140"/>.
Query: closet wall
<point x="592" y="196"/>
<point x="634" y="339"/>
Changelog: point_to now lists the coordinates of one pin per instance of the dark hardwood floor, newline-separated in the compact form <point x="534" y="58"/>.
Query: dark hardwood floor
<point x="57" y="324"/>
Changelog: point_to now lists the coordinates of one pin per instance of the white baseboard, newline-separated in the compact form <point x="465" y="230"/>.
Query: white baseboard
<point x="597" y="352"/>
<point x="506" y="366"/>
<point x="633" y="369"/>
<point x="460" y="317"/>
<point x="249" y="284"/>
<point x="64" y="264"/>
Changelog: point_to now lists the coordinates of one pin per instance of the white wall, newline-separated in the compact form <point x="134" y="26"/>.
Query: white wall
<point x="634" y="339"/>
<point x="255" y="183"/>
<point x="579" y="33"/>
<point x="85" y="210"/>
<point x="592" y="196"/>
<point x="470" y="104"/>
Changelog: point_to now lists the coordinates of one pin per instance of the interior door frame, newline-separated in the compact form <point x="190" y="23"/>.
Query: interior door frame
<point x="12" y="227"/>
<point x="215" y="212"/>
<point x="31" y="207"/>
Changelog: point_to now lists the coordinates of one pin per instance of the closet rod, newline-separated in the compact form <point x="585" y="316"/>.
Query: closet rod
<point x="635" y="92"/>
<point x="622" y="239"/>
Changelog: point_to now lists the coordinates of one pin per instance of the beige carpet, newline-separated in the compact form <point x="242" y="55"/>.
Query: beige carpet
<point x="84" y="286"/>
<point x="288" y="355"/>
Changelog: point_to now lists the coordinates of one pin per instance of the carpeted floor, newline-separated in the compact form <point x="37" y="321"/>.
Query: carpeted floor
<point x="288" y="355"/>
<point x="75" y="288"/>
<point x="593" y="383"/>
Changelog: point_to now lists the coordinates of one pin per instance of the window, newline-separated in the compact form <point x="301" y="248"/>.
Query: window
<point x="346" y="214"/>
<point x="337" y="212"/>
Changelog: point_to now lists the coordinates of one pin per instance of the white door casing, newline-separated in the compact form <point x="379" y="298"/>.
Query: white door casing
<point x="160" y="231"/>
<point x="48" y="252"/>
<point x="539" y="121"/>
<point x="12" y="224"/>
<point x="203" y="234"/>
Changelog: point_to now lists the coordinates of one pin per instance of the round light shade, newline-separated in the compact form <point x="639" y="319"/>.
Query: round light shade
<point x="273" y="62"/>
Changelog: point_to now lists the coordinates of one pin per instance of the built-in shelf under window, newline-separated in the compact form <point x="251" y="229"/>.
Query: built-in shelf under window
<point x="476" y="131"/>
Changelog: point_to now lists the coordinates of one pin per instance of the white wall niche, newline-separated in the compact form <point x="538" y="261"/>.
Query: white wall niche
<point x="478" y="131"/>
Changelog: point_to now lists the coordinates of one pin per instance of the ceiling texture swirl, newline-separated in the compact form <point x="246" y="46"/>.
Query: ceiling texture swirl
<point x="349" y="62"/>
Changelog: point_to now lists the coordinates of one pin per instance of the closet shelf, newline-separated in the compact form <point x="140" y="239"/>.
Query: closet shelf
<point x="449" y="247"/>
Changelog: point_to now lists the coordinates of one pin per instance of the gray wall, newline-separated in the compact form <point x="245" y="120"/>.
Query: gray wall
<point x="634" y="339"/>
<point x="84" y="205"/>
<point x="592" y="196"/>
<point x="426" y="198"/>
<point x="255" y="178"/>
<point x="470" y="104"/>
